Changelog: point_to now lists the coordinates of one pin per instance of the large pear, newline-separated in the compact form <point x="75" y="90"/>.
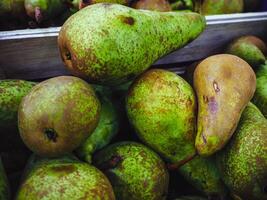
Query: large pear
<point x="224" y="85"/>
<point x="111" y="43"/>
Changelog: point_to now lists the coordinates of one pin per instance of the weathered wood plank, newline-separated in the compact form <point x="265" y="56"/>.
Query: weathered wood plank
<point x="33" y="54"/>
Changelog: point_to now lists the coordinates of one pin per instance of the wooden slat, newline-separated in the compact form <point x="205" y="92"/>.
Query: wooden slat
<point x="33" y="54"/>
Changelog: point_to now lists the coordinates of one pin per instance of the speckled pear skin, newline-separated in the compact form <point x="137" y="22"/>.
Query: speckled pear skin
<point x="41" y="10"/>
<point x="203" y="174"/>
<point x="243" y="162"/>
<point x="57" y="115"/>
<point x="156" y="5"/>
<point x="135" y="172"/>
<point x="161" y="106"/>
<point x="105" y="131"/>
<point x="212" y="7"/>
<point x="224" y="85"/>
<point x="11" y="94"/>
<point x="250" y="48"/>
<point x="65" y="179"/>
<point x="4" y="186"/>
<point x="260" y="96"/>
<point x="111" y="44"/>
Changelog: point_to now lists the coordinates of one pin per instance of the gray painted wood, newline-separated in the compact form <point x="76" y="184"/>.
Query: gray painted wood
<point x="33" y="54"/>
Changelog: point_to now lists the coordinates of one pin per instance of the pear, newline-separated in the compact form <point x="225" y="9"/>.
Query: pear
<point x="12" y="92"/>
<point x="161" y="107"/>
<point x="41" y="10"/>
<point x="204" y="175"/>
<point x="213" y="7"/>
<point x="224" y="85"/>
<point x="157" y="5"/>
<point x="135" y="172"/>
<point x="243" y="162"/>
<point x="57" y="115"/>
<point x="4" y="187"/>
<point x="63" y="178"/>
<point x="111" y="44"/>
<point x="105" y="131"/>
<point x="250" y="48"/>
<point x="183" y="5"/>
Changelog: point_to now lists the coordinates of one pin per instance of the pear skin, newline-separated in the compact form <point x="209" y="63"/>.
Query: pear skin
<point x="57" y="115"/>
<point x="161" y="106"/>
<point x="243" y="161"/>
<point x="65" y="179"/>
<point x="224" y="85"/>
<point x="111" y="43"/>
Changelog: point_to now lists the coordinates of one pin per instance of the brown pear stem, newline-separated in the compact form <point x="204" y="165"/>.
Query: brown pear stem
<point x="176" y="166"/>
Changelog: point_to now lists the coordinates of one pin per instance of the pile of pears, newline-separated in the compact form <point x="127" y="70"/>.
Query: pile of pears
<point x="117" y="129"/>
<point x="21" y="14"/>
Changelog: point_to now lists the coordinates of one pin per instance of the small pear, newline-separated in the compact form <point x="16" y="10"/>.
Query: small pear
<point x="250" y="48"/>
<point x="111" y="43"/>
<point x="224" y="85"/>
<point x="243" y="162"/>
<point x="57" y="115"/>
<point x="161" y="106"/>
<point x="135" y="171"/>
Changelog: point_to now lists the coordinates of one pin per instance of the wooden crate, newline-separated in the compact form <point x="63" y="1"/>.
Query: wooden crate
<point x="33" y="53"/>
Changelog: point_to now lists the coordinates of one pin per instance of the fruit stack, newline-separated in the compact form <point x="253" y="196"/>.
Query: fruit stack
<point x="119" y="130"/>
<point x="20" y="14"/>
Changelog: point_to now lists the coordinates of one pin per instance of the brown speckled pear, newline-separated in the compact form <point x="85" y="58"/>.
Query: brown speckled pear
<point x="161" y="106"/>
<point x="224" y="85"/>
<point x="111" y="43"/>
<point x="64" y="179"/>
<point x="57" y="115"/>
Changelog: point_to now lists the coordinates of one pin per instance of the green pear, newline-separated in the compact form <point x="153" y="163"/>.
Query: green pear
<point x="204" y="175"/>
<point x="157" y="5"/>
<point x="111" y="44"/>
<point x="213" y="7"/>
<point x="224" y="85"/>
<point x="63" y="178"/>
<point x="12" y="92"/>
<point x="41" y="10"/>
<point x="4" y="187"/>
<point x="57" y="115"/>
<point x="105" y="131"/>
<point x="135" y="172"/>
<point x="250" y="48"/>
<point x="161" y="107"/>
<point x="243" y="162"/>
